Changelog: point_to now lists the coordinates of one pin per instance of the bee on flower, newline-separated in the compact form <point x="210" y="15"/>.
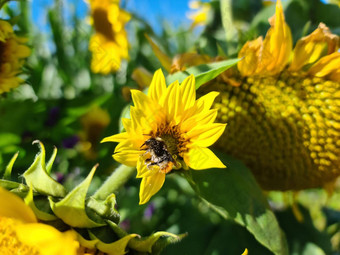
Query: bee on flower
<point x="169" y="129"/>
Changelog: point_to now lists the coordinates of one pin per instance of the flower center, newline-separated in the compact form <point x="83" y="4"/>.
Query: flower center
<point x="102" y="24"/>
<point x="9" y="242"/>
<point x="172" y="138"/>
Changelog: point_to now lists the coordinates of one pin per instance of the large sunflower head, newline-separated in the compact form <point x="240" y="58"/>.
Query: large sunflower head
<point x="283" y="118"/>
<point x="12" y="54"/>
<point x="20" y="232"/>
<point x="109" y="44"/>
<point x="169" y="129"/>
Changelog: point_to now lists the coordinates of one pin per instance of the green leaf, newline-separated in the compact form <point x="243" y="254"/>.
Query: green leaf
<point x="37" y="177"/>
<point x="41" y="215"/>
<point x="71" y="209"/>
<point x="234" y="194"/>
<point x="7" y="139"/>
<point x="203" y="73"/>
<point x="8" y="170"/>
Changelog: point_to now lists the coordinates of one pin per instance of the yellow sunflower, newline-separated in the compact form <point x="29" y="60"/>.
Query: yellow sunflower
<point x="109" y="44"/>
<point x="20" y="232"/>
<point x="169" y="129"/>
<point x="12" y="54"/>
<point x="199" y="13"/>
<point x="284" y="115"/>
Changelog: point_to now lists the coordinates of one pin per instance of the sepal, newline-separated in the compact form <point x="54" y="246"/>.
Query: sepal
<point x="71" y="209"/>
<point x="105" y="208"/>
<point x="36" y="176"/>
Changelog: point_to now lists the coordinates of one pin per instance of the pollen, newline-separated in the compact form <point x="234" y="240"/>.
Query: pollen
<point x="9" y="242"/>
<point x="285" y="129"/>
<point x="173" y="138"/>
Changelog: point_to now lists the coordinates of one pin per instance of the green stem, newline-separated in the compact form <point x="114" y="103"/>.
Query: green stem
<point x="117" y="179"/>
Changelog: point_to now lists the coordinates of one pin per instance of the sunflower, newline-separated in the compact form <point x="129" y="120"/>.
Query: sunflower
<point x="109" y="44"/>
<point x="20" y="232"/>
<point x="199" y="13"/>
<point x="169" y="129"/>
<point x="12" y="54"/>
<point x="282" y="106"/>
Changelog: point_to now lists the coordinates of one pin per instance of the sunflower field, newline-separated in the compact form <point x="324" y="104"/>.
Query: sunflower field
<point x="211" y="129"/>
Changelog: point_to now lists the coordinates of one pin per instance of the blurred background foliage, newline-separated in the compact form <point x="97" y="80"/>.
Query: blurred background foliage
<point x="64" y="104"/>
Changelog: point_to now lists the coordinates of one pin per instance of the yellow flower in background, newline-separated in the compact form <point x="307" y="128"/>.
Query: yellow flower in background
<point x="168" y="129"/>
<point x="283" y="118"/>
<point x="94" y="123"/>
<point x="12" y="54"/>
<point x="109" y="45"/>
<point x="20" y="232"/>
<point x="199" y="13"/>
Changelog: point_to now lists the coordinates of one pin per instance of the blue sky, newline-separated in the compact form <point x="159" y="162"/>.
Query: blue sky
<point x="173" y="11"/>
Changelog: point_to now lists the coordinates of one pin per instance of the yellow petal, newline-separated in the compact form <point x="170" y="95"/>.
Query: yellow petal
<point x="13" y="206"/>
<point x="188" y="92"/>
<point x="207" y="100"/>
<point x="142" y="76"/>
<point x="326" y="65"/>
<point x="181" y="61"/>
<point x="157" y="86"/>
<point x="199" y="119"/>
<point x="202" y="158"/>
<point x="116" y="138"/>
<point x="149" y="107"/>
<point x="150" y="186"/>
<point x="143" y="170"/>
<point x="250" y="55"/>
<point x="47" y="239"/>
<point x="162" y="57"/>
<point x="206" y="135"/>
<point x="173" y="102"/>
<point x="310" y="48"/>
<point x="277" y="45"/>
<point x="127" y="157"/>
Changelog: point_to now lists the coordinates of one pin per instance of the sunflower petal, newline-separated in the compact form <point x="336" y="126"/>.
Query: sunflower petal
<point x="202" y="158"/>
<point x="127" y="157"/>
<point x="207" y="100"/>
<point x="13" y="206"/>
<point x="116" y="138"/>
<point x="310" y="48"/>
<point x="47" y="239"/>
<point x="188" y="92"/>
<point x="158" y="86"/>
<point x="150" y="186"/>
<point x="326" y="65"/>
<point x="206" y="135"/>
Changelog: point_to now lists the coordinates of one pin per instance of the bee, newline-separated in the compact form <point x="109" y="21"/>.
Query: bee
<point x="159" y="154"/>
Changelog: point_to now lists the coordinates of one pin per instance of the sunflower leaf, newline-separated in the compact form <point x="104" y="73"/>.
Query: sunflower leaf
<point x="203" y="73"/>
<point x="71" y="209"/>
<point x="37" y="177"/>
<point x="234" y="194"/>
